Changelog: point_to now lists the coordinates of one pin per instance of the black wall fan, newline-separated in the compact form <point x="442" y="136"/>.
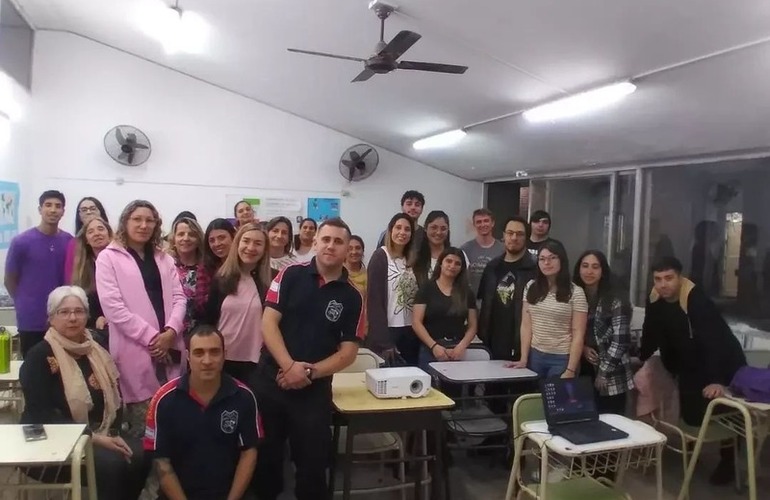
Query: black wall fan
<point x="359" y="162"/>
<point x="385" y="55"/>
<point x="127" y="145"/>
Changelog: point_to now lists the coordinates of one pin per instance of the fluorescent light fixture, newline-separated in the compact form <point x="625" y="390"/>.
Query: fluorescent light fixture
<point x="441" y="140"/>
<point x="176" y="29"/>
<point x="579" y="103"/>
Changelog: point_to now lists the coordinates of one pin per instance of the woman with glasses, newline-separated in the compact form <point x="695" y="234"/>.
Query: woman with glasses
<point x="145" y="306"/>
<point x="69" y="379"/>
<point x="554" y="317"/>
<point x="432" y="246"/>
<point x="88" y="208"/>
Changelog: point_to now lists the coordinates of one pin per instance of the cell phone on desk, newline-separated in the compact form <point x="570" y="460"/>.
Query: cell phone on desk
<point x="34" y="432"/>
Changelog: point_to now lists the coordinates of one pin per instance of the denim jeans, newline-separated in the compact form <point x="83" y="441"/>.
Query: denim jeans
<point x="546" y="364"/>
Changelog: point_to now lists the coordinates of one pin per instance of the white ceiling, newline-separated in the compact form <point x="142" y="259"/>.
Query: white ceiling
<point x="520" y="53"/>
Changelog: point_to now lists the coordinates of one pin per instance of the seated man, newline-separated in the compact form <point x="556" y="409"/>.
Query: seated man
<point x="695" y="344"/>
<point x="203" y="427"/>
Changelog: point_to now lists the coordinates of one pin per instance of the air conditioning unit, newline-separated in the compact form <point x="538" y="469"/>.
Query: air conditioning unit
<point x="402" y="382"/>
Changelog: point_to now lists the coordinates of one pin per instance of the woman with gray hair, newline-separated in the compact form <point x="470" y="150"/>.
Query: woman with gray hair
<point x="69" y="378"/>
<point x="145" y="306"/>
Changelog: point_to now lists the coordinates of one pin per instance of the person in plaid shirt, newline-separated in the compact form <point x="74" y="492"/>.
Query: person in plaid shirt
<point x="608" y="335"/>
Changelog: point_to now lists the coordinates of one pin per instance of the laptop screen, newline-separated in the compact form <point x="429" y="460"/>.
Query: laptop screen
<point x="568" y="400"/>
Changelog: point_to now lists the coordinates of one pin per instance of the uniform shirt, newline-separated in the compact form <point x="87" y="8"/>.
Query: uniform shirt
<point x="316" y="316"/>
<point x="203" y="443"/>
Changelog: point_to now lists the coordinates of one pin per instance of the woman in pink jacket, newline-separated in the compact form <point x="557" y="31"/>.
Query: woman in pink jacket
<point x="144" y="303"/>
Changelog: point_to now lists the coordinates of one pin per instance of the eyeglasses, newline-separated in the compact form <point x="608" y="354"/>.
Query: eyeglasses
<point x="140" y="220"/>
<point x="86" y="210"/>
<point x="66" y="313"/>
<point x="516" y="234"/>
<point x="550" y="258"/>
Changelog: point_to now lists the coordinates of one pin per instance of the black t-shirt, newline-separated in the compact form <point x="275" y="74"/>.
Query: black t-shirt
<point x="503" y="306"/>
<point x="535" y="246"/>
<point x="438" y="320"/>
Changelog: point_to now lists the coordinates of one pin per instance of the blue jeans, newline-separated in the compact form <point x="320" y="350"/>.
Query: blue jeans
<point x="547" y="365"/>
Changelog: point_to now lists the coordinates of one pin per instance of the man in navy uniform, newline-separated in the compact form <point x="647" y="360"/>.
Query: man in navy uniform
<point x="203" y="427"/>
<point x="311" y="326"/>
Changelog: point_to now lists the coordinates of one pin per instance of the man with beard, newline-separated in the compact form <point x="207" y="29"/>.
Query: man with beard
<point x="501" y="290"/>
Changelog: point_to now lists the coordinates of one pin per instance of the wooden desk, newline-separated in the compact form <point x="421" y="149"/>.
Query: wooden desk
<point x="65" y="443"/>
<point x="363" y="413"/>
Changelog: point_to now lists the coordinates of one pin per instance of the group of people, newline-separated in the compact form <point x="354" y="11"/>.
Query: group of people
<point x="215" y="347"/>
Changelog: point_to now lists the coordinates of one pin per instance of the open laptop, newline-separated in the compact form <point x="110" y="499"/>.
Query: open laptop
<point x="570" y="410"/>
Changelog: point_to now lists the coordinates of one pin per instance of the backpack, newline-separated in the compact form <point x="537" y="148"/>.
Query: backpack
<point x="752" y="383"/>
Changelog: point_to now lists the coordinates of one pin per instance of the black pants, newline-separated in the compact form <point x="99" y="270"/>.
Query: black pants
<point x="29" y="339"/>
<point x="407" y="343"/>
<point x="115" y="477"/>
<point x="612" y="404"/>
<point x="245" y="371"/>
<point x="304" y="417"/>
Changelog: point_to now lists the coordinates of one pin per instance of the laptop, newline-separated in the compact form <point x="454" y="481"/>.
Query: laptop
<point x="570" y="410"/>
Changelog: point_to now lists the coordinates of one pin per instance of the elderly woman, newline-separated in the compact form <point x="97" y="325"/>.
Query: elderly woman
<point x="68" y="378"/>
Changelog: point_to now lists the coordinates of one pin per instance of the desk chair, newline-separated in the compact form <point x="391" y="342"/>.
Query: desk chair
<point x="474" y="422"/>
<point x="688" y="436"/>
<point x="529" y="408"/>
<point x="376" y="443"/>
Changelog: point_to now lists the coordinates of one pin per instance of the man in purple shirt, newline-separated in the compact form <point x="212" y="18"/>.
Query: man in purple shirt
<point x="34" y="267"/>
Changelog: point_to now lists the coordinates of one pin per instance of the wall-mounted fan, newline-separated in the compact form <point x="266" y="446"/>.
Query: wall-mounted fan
<point x="359" y="162"/>
<point x="127" y="145"/>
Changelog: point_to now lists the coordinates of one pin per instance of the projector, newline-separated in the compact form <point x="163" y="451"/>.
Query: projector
<point x="404" y="382"/>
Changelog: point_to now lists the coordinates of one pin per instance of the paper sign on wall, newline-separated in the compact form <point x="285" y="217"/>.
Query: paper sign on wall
<point x="275" y="207"/>
<point x="321" y="209"/>
<point x="9" y="213"/>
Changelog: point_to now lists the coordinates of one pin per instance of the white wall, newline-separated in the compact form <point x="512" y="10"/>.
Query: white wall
<point x="207" y="144"/>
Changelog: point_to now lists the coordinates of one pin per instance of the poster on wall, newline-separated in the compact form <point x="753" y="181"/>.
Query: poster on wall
<point x="9" y="213"/>
<point x="321" y="209"/>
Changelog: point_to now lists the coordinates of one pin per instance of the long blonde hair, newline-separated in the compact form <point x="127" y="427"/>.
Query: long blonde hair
<point x="85" y="258"/>
<point x="195" y="228"/>
<point x="120" y="233"/>
<point x="230" y="272"/>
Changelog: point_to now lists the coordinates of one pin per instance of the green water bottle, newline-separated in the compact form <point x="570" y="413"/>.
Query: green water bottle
<point x="5" y="350"/>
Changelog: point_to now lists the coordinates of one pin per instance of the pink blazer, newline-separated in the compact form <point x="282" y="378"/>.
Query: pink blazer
<point x="132" y="320"/>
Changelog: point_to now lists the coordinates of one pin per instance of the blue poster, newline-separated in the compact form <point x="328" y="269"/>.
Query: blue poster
<point x="9" y="213"/>
<point x="321" y="209"/>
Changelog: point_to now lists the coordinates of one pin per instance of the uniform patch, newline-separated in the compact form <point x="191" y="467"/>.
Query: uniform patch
<point x="333" y="311"/>
<point x="229" y="421"/>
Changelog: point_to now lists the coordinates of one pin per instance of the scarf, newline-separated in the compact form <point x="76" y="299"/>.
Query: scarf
<point x="75" y="386"/>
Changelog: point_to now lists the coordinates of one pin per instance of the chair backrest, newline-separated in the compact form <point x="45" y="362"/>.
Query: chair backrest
<point x="476" y="352"/>
<point x="363" y="362"/>
<point x="758" y="359"/>
<point x="527" y="408"/>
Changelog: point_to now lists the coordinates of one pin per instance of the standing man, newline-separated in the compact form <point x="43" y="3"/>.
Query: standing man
<point x="540" y="228"/>
<point x="412" y="204"/>
<point x="312" y="324"/>
<point x="501" y="291"/>
<point x="34" y="267"/>
<point x="203" y="427"/>
<point x="483" y="248"/>
<point x="696" y="345"/>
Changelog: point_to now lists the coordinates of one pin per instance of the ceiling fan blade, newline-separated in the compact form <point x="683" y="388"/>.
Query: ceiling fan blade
<point x="122" y="156"/>
<point x="119" y="136"/>
<point x="348" y="163"/>
<point x="434" y="67"/>
<point x="352" y="172"/>
<point x="354" y="156"/>
<point x="131" y="157"/>
<point x="363" y="76"/>
<point x="140" y="146"/>
<point x="401" y="43"/>
<point x="365" y="153"/>
<point x="324" y="54"/>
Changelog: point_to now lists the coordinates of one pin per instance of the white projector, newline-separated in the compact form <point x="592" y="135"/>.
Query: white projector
<point x="403" y="382"/>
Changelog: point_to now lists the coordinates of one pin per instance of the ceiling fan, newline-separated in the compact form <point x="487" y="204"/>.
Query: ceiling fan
<point x="385" y="55"/>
